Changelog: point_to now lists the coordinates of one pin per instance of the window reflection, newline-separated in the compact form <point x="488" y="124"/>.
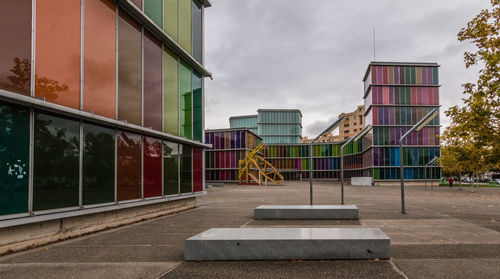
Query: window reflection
<point x="14" y="158"/>
<point x="56" y="162"/>
<point x="171" y="168"/>
<point x="128" y="166"/>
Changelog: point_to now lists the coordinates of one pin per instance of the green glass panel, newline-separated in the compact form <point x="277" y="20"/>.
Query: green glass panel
<point x="197" y="107"/>
<point x="407" y="75"/>
<point x="170" y="93"/>
<point x="186" y="169"/>
<point x="153" y="9"/>
<point x="98" y="164"/>
<point x="185" y="25"/>
<point x="171" y="168"/>
<point x="376" y="174"/>
<point x="171" y="16"/>
<point x="413" y="75"/>
<point x="186" y="123"/>
<point x="56" y="162"/>
<point x="435" y="76"/>
<point x="14" y="158"/>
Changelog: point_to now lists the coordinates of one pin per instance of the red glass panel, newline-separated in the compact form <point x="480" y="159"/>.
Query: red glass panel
<point x="99" y="67"/>
<point x="152" y="167"/>
<point x="128" y="166"/>
<point x="197" y="169"/>
<point x="58" y="52"/>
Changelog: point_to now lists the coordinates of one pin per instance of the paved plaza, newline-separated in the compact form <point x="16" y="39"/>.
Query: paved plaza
<point x="447" y="233"/>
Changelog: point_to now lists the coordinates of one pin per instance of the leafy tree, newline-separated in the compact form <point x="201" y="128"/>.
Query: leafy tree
<point x="475" y="127"/>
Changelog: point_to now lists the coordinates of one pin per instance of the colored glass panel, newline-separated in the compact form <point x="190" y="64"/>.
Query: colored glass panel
<point x="186" y="123"/>
<point x="186" y="169"/>
<point x="170" y="18"/>
<point x="171" y="93"/>
<point x="152" y="82"/>
<point x="153" y="9"/>
<point x="129" y="70"/>
<point x="58" y="52"/>
<point x="14" y="158"/>
<point x="197" y="30"/>
<point x="137" y="3"/>
<point x="197" y="107"/>
<point x="128" y="171"/>
<point x="152" y="167"/>
<point x="99" y="66"/>
<point x="98" y="177"/>
<point x="15" y="49"/>
<point x="185" y="25"/>
<point x="56" y="162"/>
<point x="170" y="168"/>
<point x="198" y="168"/>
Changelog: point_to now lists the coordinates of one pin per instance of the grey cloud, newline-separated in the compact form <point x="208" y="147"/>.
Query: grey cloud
<point x="312" y="55"/>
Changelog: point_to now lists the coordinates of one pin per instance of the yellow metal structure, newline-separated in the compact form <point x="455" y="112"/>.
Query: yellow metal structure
<point x="258" y="169"/>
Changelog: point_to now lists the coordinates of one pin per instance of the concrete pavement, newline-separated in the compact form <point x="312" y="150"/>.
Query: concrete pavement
<point x="447" y="233"/>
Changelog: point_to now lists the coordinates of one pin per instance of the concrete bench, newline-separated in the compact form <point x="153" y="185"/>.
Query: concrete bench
<point x="287" y="244"/>
<point x="331" y="212"/>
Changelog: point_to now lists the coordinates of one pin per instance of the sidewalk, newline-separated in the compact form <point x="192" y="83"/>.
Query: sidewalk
<point x="448" y="233"/>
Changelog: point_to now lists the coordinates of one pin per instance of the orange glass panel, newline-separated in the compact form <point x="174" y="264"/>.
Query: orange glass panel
<point x="15" y="49"/>
<point x="58" y="52"/>
<point x="99" y="67"/>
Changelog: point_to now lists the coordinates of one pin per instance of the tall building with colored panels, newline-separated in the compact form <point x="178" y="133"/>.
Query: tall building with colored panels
<point x="244" y="122"/>
<point x="397" y="96"/>
<point x="229" y="146"/>
<point x="101" y="104"/>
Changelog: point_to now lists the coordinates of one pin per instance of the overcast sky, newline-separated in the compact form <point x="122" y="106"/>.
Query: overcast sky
<point x="312" y="54"/>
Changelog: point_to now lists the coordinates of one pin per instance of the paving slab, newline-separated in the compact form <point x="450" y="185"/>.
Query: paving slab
<point x="285" y="270"/>
<point x="453" y="269"/>
<point x="288" y="244"/>
<point x="314" y="212"/>
<point x="85" y="271"/>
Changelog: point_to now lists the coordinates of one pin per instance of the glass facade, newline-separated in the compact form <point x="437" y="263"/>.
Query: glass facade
<point x="197" y="107"/>
<point x="101" y="64"/>
<point x="58" y="52"/>
<point x="14" y="158"/>
<point x="153" y="9"/>
<point x="129" y="70"/>
<point x="396" y="98"/>
<point x="186" y="175"/>
<point x="170" y="168"/>
<point x="229" y="146"/>
<point x="280" y="126"/>
<point x="171" y="18"/>
<point x="98" y="177"/>
<point x="186" y="99"/>
<point x="185" y="36"/>
<point x="152" y="167"/>
<point x="153" y="56"/>
<point x="56" y="162"/>
<point x="15" y="49"/>
<point x="128" y="171"/>
<point x="170" y="93"/>
<point x="247" y="122"/>
<point x="197" y="31"/>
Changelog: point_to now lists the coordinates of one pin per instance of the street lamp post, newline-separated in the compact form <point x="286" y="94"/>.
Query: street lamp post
<point x="356" y="137"/>
<point x="417" y="127"/>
